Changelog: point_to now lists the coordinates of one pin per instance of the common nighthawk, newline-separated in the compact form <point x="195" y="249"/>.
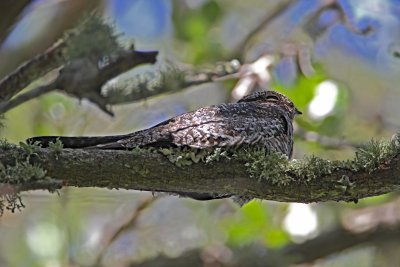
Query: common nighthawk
<point x="261" y="118"/>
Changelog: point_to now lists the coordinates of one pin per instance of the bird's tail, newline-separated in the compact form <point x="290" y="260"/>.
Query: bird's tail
<point x="80" y="142"/>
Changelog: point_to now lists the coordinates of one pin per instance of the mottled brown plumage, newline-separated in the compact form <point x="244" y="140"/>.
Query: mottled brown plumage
<point x="262" y="118"/>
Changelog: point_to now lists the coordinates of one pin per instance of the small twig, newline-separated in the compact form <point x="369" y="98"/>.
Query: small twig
<point x="31" y="70"/>
<point x="252" y="74"/>
<point x="10" y="13"/>
<point x="83" y="78"/>
<point x="373" y="171"/>
<point x="171" y="80"/>
<point x="238" y="52"/>
<point x="38" y="91"/>
<point x="338" y="5"/>
<point x="326" y="141"/>
<point x="221" y="71"/>
<point x="325" y="244"/>
<point x="130" y="223"/>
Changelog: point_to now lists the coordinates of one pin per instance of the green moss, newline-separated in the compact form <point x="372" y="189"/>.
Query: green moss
<point x="21" y="173"/>
<point x="310" y="168"/>
<point x="5" y="145"/>
<point x="275" y="168"/>
<point x="266" y="165"/>
<point x="15" y="176"/>
<point x="30" y="148"/>
<point x="373" y="154"/>
<point x="56" y="147"/>
<point x="217" y="154"/>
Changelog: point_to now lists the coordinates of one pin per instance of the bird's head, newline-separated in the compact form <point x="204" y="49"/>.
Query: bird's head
<point x="273" y="98"/>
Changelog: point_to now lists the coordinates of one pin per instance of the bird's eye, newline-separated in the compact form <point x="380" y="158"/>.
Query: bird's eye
<point x="272" y="98"/>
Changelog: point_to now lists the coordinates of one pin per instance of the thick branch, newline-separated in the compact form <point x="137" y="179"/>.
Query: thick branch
<point x="145" y="170"/>
<point x="169" y="80"/>
<point x="10" y="13"/>
<point x="338" y="240"/>
<point x="325" y="244"/>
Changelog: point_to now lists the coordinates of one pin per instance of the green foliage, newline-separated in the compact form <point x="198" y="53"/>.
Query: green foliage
<point x="193" y="26"/>
<point x="303" y="91"/>
<point x="254" y="223"/>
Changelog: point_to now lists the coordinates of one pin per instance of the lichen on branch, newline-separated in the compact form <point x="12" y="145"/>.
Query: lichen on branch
<point x="253" y="171"/>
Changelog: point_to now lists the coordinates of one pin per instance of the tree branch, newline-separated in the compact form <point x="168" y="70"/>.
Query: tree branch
<point x="374" y="171"/>
<point x="169" y="80"/>
<point x="325" y="244"/>
<point x="10" y="13"/>
<point x="260" y="26"/>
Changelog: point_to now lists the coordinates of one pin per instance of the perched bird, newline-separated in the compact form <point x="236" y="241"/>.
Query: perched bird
<point x="261" y="118"/>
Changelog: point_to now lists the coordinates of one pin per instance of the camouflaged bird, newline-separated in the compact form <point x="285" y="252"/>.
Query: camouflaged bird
<point x="261" y="118"/>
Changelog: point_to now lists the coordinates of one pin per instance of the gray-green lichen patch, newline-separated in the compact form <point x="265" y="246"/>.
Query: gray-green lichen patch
<point x="184" y="156"/>
<point x="93" y="37"/>
<point x="15" y="176"/>
<point x="375" y="153"/>
<point x="30" y="148"/>
<point x="4" y="144"/>
<point x="21" y="174"/>
<point x="56" y="147"/>
<point x="145" y="84"/>
<point x="345" y="184"/>
<point x="275" y="168"/>
<point x="311" y="168"/>
<point x="265" y="165"/>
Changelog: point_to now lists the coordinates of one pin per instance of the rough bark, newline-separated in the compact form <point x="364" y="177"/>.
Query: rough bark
<point x="146" y="170"/>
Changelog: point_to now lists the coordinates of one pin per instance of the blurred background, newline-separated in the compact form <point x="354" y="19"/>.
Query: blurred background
<point x="339" y="61"/>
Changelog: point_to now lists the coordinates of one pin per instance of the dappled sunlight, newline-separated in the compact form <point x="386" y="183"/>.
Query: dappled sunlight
<point x="301" y="221"/>
<point x="336" y="61"/>
<point x="324" y="100"/>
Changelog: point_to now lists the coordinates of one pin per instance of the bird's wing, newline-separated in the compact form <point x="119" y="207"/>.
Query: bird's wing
<point x="215" y="126"/>
<point x="163" y="134"/>
<point x="236" y="126"/>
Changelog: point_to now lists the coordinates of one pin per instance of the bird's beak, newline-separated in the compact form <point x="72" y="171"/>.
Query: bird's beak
<point x="298" y="112"/>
